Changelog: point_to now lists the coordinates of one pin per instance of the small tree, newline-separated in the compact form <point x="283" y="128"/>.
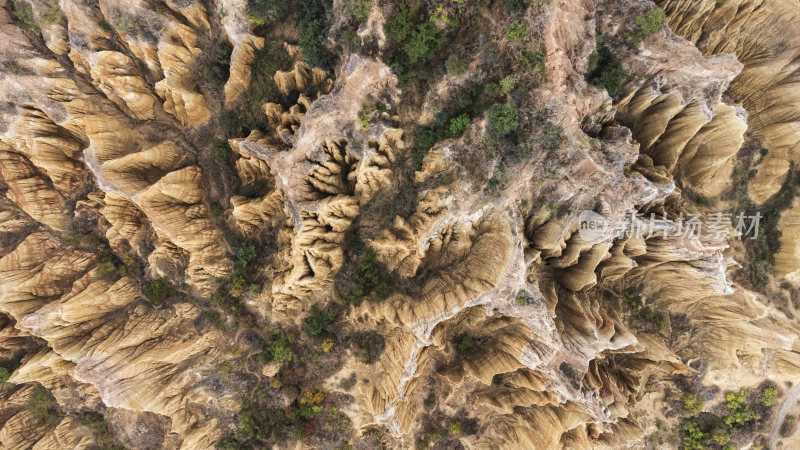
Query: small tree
<point x="459" y="125"/>
<point x="739" y="412"/>
<point x="5" y="374"/>
<point x="508" y="83"/>
<point x="424" y="42"/>
<point x="694" y="439"/>
<point x="245" y="253"/>
<point x="319" y="321"/>
<point x="466" y="344"/>
<point x="220" y="148"/>
<point x="42" y="405"/>
<point x="401" y="24"/>
<point x="691" y="404"/>
<point x="215" y="209"/>
<point x="516" y="31"/>
<point x="361" y="9"/>
<point x="517" y="4"/>
<point x="652" y="22"/>
<point x="281" y="350"/>
<point x="312" y="42"/>
<point x="264" y="11"/>
<point x="229" y="443"/>
<point x="158" y="290"/>
<point x="456" y="65"/>
<point x="606" y="72"/>
<point x="504" y="118"/>
<point x="98" y="424"/>
<point x="770" y="394"/>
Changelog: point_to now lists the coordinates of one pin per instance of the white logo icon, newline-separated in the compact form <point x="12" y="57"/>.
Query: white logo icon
<point x="594" y="228"/>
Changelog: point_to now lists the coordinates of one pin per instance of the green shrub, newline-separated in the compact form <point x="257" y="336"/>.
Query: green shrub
<point x="319" y="321"/>
<point x="498" y="180"/>
<point x="424" y="42"/>
<point x="768" y="241"/>
<point x="229" y="443"/>
<point x="361" y="9"/>
<point x="158" y="290"/>
<point x="108" y="269"/>
<point x="471" y="100"/>
<point x="459" y="125"/>
<point x="652" y="22"/>
<point x="280" y="349"/>
<point x="220" y="148"/>
<point x="401" y="24"/>
<point x="217" y="70"/>
<point x="216" y="320"/>
<point x="50" y="16"/>
<point x="257" y="422"/>
<point x="313" y="31"/>
<point x="101" y="430"/>
<point x="691" y="404"/>
<point x="739" y="412"/>
<point x="367" y="281"/>
<point x="456" y="65"/>
<point x="215" y="209"/>
<point x="419" y="39"/>
<point x="770" y="394"/>
<point x="245" y="253"/>
<point x="504" y="118"/>
<point x="534" y="59"/>
<point x="5" y="374"/>
<point x="238" y="283"/>
<point x="466" y="344"/>
<point x="694" y="438"/>
<point x="312" y="42"/>
<point x="262" y="12"/>
<point x="516" y="31"/>
<point x="469" y="428"/>
<point x="508" y="83"/>
<point x="42" y="406"/>
<point x="606" y="72"/>
<point x="14" y="68"/>
<point x="229" y="123"/>
<point x="363" y="121"/>
<point x="656" y="319"/>
<point x="720" y="436"/>
<point x="224" y="369"/>
<point x="524" y="298"/>
<point x="428" y="136"/>
<point x="23" y="13"/>
<point x="517" y="4"/>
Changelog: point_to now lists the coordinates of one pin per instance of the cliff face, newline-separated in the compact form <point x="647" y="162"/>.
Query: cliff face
<point x="331" y="224"/>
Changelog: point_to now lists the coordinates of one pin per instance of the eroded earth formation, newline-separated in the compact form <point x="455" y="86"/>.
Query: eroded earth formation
<point x="357" y="224"/>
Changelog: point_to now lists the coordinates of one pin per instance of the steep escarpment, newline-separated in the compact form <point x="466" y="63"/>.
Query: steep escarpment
<point x="755" y="33"/>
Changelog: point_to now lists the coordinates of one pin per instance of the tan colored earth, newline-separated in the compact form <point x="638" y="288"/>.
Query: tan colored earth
<point x="359" y="224"/>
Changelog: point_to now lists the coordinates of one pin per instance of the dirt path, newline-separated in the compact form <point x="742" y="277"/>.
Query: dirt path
<point x="787" y="403"/>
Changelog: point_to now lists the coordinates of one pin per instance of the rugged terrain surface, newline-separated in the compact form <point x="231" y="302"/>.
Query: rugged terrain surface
<point x="356" y="224"/>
